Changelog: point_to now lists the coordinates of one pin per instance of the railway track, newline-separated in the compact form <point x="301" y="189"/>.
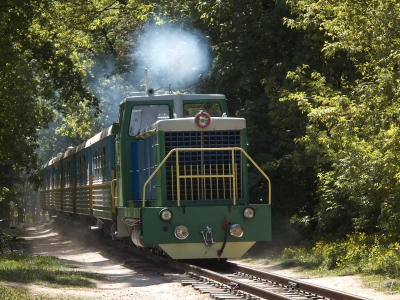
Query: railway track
<point x="248" y="283"/>
<point x="235" y="281"/>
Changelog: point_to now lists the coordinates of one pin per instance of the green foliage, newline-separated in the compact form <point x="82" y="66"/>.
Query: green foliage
<point x="36" y="78"/>
<point x="352" y="123"/>
<point x="356" y="254"/>
<point x="9" y="181"/>
<point x="93" y="33"/>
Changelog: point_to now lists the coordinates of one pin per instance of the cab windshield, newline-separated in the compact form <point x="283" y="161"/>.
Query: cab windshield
<point x="212" y="108"/>
<point x="143" y="116"/>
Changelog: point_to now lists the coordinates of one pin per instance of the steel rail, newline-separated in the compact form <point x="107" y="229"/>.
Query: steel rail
<point x="256" y="291"/>
<point x="315" y="289"/>
<point x="248" y="288"/>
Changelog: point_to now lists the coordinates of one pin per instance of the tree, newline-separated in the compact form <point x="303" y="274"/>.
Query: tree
<point x="47" y="53"/>
<point x="353" y="118"/>
<point x="97" y="35"/>
<point x="48" y="50"/>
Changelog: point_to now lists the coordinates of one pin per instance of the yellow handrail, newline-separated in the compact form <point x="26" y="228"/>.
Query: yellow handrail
<point x="233" y="175"/>
<point x="112" y="183"/>
<point x="113" y="191"/>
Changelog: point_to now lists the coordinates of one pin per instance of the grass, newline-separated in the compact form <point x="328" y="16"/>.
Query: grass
<point x="40" y="270"/>
<point x="382" y="283"/>
<point x="8" y="293"/>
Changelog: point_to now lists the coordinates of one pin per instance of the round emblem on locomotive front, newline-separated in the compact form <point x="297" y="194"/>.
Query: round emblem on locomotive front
<point x="202" y="119"/>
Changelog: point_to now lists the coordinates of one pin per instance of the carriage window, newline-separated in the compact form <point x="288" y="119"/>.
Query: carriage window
<point x="104" y="162"/>
<point x="79" y="171"/>
<point x="143" y="116"/>
<point x="212" y="108"/>
<point x="57" y="176"/>
<point x="67" y="175"/>
<point x="95" y="164"/>
<point x="85" y="169"/>
<point x="46" y="183"/>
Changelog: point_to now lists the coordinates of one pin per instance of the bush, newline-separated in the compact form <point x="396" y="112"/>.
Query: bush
<point x="358" y="253"/>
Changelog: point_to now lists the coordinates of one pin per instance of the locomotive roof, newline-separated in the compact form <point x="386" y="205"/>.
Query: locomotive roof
<point x="188" y="124"/>
<point x="98" y="137"/>
<point x="166" y="97"/>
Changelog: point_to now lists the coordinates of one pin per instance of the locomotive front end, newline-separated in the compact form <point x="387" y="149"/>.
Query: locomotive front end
<point x="204" y="233"/>
<point x="188" y="183"/>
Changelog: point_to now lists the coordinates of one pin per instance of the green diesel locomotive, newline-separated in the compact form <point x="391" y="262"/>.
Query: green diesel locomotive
<point x="171" y="175"/>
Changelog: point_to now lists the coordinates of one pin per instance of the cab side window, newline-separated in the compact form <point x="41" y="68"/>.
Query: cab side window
<point x="143" y="116"/>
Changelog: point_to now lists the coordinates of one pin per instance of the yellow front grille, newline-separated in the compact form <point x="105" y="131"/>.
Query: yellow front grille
<point x="203" y="182"/>
<point x="200" y="181"/>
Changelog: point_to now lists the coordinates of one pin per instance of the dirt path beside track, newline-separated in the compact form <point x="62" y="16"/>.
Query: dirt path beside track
<point x="120" y="281"/>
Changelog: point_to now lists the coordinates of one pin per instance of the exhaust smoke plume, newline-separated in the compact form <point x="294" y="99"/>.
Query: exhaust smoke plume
<point x="172" y="55"/>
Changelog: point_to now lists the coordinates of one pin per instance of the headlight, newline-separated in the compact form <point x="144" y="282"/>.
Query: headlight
<point x="181" y="232"/>
<point x="236" y="230"/>
<point x="202" y="119"/>
<point x="248" y="213"/>
<point x="166" y="215"/>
